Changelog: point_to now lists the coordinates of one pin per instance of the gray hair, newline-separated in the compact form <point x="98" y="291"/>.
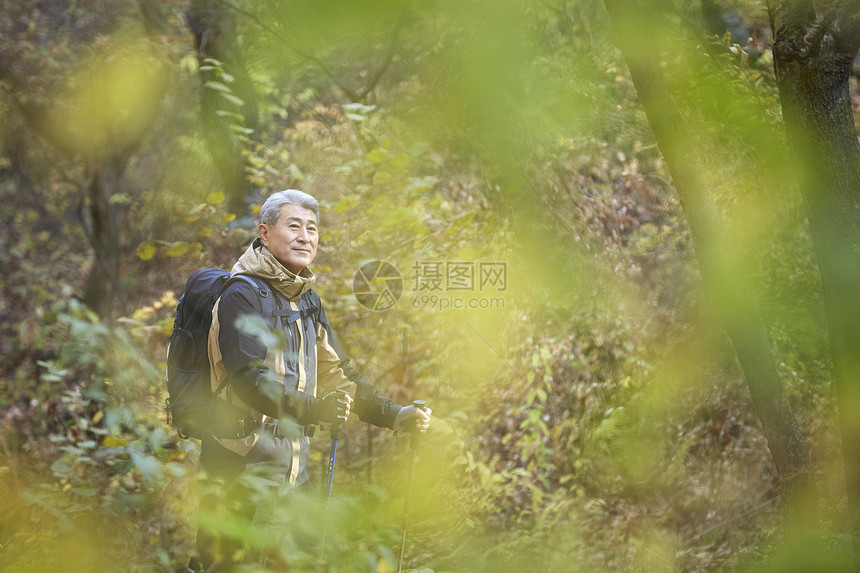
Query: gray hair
<point x="271" y="209"/>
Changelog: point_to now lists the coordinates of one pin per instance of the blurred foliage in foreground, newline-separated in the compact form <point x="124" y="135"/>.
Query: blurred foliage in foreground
<point x="589" y="412"/>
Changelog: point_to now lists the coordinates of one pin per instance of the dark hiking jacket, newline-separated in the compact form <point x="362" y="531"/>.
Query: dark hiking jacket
<point x="272" y="363"/>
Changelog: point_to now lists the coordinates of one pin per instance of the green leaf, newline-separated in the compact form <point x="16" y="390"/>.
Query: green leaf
<point x="341" y="206"/>
<point x="418" y="148"/>
<point x="238" y="117"/>
<point x="61" y="468"/>
<point x="381" y="177"/>
<point x="232" y="99"/>
<point x="421" y="184"/>
<point x="189" y="63"/>
<point x="148" y="466"/>
<point x="217" y="86"/>
<point x="296" y="173"/>
<point x="401" y="161"/>
<point x="197" y="208"/>
<point x="242" y="130"/>
<point x="358" y="108"/>
<point x="376" y="155"/>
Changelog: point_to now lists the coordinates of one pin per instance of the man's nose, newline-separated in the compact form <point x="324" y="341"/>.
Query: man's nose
<point x="303" y="236"/>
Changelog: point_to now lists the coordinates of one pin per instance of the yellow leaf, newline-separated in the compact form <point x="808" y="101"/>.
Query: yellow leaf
<point x="177" y="249"/>
<point x="205" y="232"/>
<point x="228" y="217"/>
<point x="114" y="442"/>
<point x="146" y="251"/>
<point x="215" y="197"/>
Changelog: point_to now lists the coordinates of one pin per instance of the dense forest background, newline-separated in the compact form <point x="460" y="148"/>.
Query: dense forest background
<point x="617" y="290"/>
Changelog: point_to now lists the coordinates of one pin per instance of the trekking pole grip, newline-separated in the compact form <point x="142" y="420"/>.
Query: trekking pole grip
<point x="416" y="434"/>
<point x="335" y="427"/>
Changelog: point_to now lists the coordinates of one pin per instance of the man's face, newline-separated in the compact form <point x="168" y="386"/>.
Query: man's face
<point x="293" y="238"/>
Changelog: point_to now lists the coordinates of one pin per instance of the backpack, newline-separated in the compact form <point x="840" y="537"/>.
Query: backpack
<point x="194" y="408"/>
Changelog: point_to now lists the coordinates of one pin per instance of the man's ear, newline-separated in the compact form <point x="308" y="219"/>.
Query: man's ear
<point x="264" y="233"/>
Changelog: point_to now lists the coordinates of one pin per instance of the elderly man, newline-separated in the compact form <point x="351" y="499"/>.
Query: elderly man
<point x="290" y="372"/>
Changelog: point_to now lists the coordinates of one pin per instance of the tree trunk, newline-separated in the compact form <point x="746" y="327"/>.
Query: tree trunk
<point x="103" y="165"/>
<point x="813" y="55"/>
<point x="104" y="291"/>
<point x="214" y="27"/>
<point x="644" y="39"/>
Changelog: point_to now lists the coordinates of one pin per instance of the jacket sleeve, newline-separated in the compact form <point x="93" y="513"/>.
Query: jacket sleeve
<point x="335" y="371"/>
<point x="242" y="338"/>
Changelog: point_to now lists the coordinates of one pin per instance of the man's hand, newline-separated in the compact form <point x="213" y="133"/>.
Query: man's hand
<point x="333" y="407"/>
<point x="411" y="418"/>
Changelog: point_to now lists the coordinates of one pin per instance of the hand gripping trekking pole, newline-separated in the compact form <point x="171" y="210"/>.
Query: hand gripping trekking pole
<point x="415" y="439"/>
<point x="335" y="435"/>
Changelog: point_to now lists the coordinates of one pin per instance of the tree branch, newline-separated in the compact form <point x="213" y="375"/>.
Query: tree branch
<point x="374" y="81"/>
<point x="848" y="28"/>
<point x="282" y="36"/>
<point x="824" y="24"/>
<point x="351" y="94"/>
<point x="790" y="20"/>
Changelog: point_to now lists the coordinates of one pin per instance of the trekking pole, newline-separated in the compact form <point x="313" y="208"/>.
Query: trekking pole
<point x="335" y="435"/>
<point x="416" y="437"/>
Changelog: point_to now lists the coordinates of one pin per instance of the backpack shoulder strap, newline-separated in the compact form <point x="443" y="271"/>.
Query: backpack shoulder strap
<point x="266" y="300"/>
<point x="315" y="308"/>
<point x="263" y="290"/>
<point x="312" y="307"/>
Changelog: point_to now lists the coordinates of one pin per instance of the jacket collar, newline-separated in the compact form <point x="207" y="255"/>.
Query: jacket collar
<point x="258" y="261"/>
